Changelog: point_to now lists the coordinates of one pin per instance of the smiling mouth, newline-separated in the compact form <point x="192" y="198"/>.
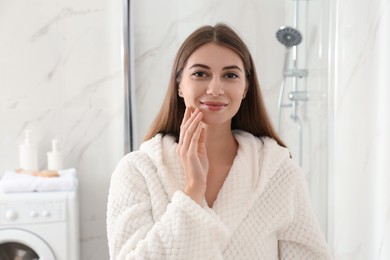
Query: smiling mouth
<point x="213" y="106"/>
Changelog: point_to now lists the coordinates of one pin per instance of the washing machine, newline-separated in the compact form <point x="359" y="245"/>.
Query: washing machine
<point x="39" y="225"/>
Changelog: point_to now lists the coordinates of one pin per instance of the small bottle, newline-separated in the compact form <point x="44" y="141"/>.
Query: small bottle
<point x="54" y="158"/>
<point x="28" y="153"/>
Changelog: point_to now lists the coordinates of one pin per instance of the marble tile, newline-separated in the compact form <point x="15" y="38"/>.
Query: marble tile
<point x="361" y="145"/>
<point x="62" y="77"/>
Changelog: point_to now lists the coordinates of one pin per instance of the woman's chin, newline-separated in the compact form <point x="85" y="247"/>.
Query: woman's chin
<point x="215" y="120"/>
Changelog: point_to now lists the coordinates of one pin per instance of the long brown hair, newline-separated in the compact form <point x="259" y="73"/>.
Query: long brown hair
<point x="252" y="116"/>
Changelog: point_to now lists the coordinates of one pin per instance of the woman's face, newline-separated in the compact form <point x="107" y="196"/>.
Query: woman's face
<point x="214" y="81"/>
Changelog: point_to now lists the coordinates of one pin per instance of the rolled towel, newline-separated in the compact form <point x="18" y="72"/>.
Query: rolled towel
<point x="19" y="182"/>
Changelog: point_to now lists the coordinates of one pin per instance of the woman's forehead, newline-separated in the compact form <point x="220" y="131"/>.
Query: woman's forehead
<point x="214" y="55"/>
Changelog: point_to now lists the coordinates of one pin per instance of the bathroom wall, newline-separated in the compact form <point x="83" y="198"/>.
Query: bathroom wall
<point x="61" y="76"/>
<point x="359" y="128"/>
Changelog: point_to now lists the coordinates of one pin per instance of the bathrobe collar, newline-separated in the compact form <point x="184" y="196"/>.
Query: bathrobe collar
<point x="257" y="160"/>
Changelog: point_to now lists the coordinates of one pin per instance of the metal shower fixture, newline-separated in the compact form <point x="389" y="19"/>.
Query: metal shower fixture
<point x="289" y="36"/>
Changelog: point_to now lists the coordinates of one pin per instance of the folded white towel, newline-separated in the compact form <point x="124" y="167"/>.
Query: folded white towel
<point x="19" y="182"/>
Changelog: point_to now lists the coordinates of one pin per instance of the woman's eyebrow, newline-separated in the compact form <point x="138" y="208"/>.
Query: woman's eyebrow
<point x="232" y="67"/>
<point x="224" y="68"/>
<point x="200" y="65"/>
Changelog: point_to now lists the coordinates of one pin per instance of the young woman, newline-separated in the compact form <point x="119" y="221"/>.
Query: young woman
<point x="213" y="180"/>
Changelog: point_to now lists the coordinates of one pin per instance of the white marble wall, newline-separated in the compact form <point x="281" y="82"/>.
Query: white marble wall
<point x="61" y="76"/>
<point x="360" y="127"/>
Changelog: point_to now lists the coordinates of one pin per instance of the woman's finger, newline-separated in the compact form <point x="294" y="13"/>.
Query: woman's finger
<point x="189" y="130"/>
<point x="196" y="137"/>
<point x="186" y="117"/>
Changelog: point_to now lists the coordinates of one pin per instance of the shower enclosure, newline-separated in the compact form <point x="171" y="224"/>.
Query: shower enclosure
<point x="302" y="103"/>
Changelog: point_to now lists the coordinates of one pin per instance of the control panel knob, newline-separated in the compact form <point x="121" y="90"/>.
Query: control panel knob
<point x="11" y="214"/>
<point x="45" y="214"/>
<point x="33" y="214"/>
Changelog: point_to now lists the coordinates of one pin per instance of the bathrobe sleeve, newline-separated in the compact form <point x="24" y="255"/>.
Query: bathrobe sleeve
<point x="302" y="238"/>
<point x="184" y="231"/>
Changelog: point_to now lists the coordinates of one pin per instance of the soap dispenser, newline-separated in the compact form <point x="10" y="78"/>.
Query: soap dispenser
<point x="28" y="153"/>
<point x="54" y="158"/>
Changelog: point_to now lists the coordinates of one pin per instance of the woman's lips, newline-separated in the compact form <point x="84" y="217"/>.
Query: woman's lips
<point x="213" y="106"/>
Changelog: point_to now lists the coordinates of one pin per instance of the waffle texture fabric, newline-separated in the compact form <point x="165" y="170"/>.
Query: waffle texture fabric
<point x="262" y="211"/>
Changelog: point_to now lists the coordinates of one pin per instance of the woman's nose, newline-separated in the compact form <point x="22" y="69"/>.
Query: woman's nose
<point x="215" y="87"/>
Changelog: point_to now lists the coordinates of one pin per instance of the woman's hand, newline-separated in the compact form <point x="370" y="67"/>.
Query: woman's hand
<point x="193" y="155"/>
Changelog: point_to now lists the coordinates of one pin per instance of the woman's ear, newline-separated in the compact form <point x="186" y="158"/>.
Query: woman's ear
<point x="245" y="91"/>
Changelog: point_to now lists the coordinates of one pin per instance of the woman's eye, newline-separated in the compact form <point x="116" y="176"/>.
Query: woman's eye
<point x="199" y="74"/>
<point x="231" y="75"/>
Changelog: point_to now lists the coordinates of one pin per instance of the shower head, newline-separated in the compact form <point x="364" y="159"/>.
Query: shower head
<point x="289" y="36"/>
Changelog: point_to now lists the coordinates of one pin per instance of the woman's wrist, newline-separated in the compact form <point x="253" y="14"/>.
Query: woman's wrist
<point x="194" y="193"/>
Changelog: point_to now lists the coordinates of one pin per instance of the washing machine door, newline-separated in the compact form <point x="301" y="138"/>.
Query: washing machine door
<point x="21" y="244"/>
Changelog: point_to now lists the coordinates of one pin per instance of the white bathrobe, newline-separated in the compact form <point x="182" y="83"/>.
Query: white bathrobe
<point x="262" y="211"/>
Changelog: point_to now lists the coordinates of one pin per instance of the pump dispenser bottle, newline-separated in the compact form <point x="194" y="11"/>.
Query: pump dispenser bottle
<point x="28" y="153"/>
<point x="54" y="158"/>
